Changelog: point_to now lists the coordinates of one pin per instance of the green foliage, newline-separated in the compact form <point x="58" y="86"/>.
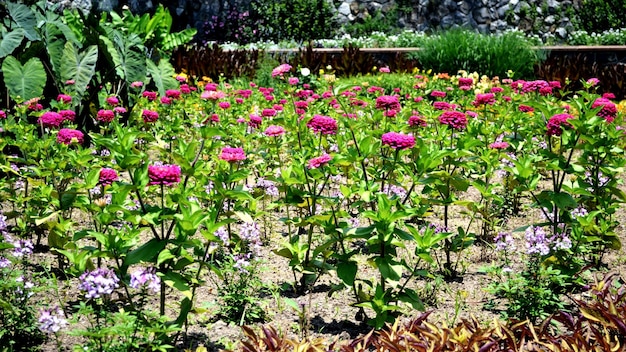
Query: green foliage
<point x="492" y="55"/>
<point x="601" y="15"/>
<point x="300" y="20"/>
<point x="24" y="82"/>
<point x="378" y="22"/>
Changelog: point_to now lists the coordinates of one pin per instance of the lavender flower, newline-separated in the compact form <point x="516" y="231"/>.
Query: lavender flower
<point x="51" y="320"/>
<point x="3" y="224"/>
<point x="145" y="277"/>
<point x="268" y="186"/>
<point x="393" y="190"/>
<point x="22" y="248"/>
<point x="580" y="211"/>
<point x="504" y="242"/>
<point x="536" y="241"/>
<point x="222" y="234"/>
<point x="98" y="282"/>
<point x="4" y="263"/>
<point x="242" y="262"/>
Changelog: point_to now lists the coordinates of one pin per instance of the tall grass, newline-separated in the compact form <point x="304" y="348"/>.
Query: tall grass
<point x="492" y="55"/>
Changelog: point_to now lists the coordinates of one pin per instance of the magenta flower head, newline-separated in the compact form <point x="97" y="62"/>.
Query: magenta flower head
<point x="69" y="136"/>
<point x="151" y="96"/>
<point x="593" y="81"/>
<point x="163" y="174"/>
<point x="499" y="145"/>
<point x="3" y="115"/>
<point x="319" y="161"/>
<point x="281" y="70"/>
<point x="556" y="122"/>
<point x="51" y="119"/>
<point x="268" y="112"/>
<point x="454" y="119"/>
<point x="525" y="108"/>
<point x="68" y="115"/>
<point x="388" y="102"/>
<point x="398" y="140"/>
<point x="466" y="82"/>
<point x="438" y="94"/>
<point x="64" y="98"/>
<point x="172" y="93"/>
<point x="136" y="84"/>
<point x="274" y="131"/>
<point x="232" y="154"/>
<point x="105" y="116"/>
<point x="323" y="124"/>
<point x="255" y="121"/>
<point x="293" y="81"/>
<point x="98" y="283"/>
<point x="608" y="111"/>
<point x="416" y="120"/>
<point x="149" y="116"/>
<point x="108" y="176"/>
<point x="484" y="99"/>
<point x="113" y="101"/>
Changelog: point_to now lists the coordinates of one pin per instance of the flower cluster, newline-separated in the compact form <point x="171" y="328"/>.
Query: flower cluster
<point x="98" y="282"/>
<point x="274" y="131"/>
<point x="538" y="241"/>
<point x="69" y="136"/>
<point x="149" y="116"/>
<point x="388" y="102"/>
<point x="164" y="174"/>
<point x="105" y="116"/>
<point x="281" y="70"/>
<point x="484" y="99"/>
<point x="323" y="124"/>
<point x="51" y="119"/>
<point x="608" y="111"/>
<point x="268" y="186"/>
<point x="395" y="191"/>
<point x="398" y="140"/>
<point x="232" y="154"/>
<point x="107" y="176"/>
<point x="556" y="122"/>
<point x="416" y="120"/>
<point x="145" y="277"/>
<point x="453" y="119"/>
<point x="504" y="242"/>
<point x="51" y="320"/>
<point x="319" y="161"/>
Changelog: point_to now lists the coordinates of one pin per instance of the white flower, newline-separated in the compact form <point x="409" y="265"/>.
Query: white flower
<point x="305" y="72"/>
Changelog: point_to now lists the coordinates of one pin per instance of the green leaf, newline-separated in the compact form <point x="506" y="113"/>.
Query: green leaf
<point x="25" y="19"/>
<point x="24" y="82"/>
<point x="162" y="75"/>
<point x="11" y="41"/>
<point x="146" y="253"/>
<point x="79" y="66"/>
<point x="177" y="281"/>
<point x="164" y="256"/>
<point x="346" y="271"/>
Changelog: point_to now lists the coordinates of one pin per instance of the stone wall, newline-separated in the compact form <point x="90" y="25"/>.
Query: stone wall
<point x="541" y="17"/>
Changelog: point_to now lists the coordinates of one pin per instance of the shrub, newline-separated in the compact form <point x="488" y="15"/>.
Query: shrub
<point x="492" y="55"/>
<point x="601" y="15"/>
<point x="379" y="22"/>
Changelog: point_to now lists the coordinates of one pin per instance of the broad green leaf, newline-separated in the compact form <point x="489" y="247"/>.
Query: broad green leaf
<point x="11" y="41"/>
<point x="24" y="82"/>
<point x="162" y="75"/>
<point x="25" y="19"/>
<point x="346" y="271"/>
<point x="177" y="281"/>
<point x="146" y="253"/>
<point x="79" y="66"/>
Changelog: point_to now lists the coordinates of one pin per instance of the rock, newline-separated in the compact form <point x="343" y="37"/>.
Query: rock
<point x="561" y="32"/>
<point x="447" y="21"/>
<point x="464" y="7"/>
<point x="481" y="15"/>
<point x="355" y="8"/>
<point x="344" y="9"/>
<point x="549" y="20"/>
<point x="502" y="11"/>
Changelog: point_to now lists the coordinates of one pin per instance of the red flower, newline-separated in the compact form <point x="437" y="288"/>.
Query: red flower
<point x="232" y="154"/>
<point x="108" y="176"/>
<point x="163" y="174"/>
<point x="454" y="119"/>
<point x="556" y="122"/>
<point x="69" y="136"/>
<point x="398" y="140"/>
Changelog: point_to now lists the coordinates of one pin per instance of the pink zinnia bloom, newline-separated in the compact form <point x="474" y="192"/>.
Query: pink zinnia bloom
<point x="496" y="90"/>
<point x="172" y="93"/>
<point x="232" y="154"/>
<point x="64" y="98"/>
<point x="166" y="100"/>
<point x="438" y="94"/>
<point x="224" y="105"/>
<point x="499" y="145"/>
<point x="281" y="70"/>
<point x="184" y="88"/>
<point x="398" y="140"/>
<point x="471" y="114"/>
<point x="466" y="82"/>
<point x="442" y="105"/>
<point x="68" y="115"/>
<point x="608" y="111"/>
<point x="151" y="96"/>
<point x="608" y="95"/>
<point x="212" y="94"/>
<point x="70" y="82"/>
<point x="526" y="108"/>
<point x="416" y="120"/>
<point x="323" y="124"/>
<point x="319" y="161"/>
<point x="163" y="174"/>
<point x="593" y="81"/>
<point x="454" y="119"/>
<point x="136" y="84"/>
<point x="384" y="70"/>
<point x="69" y="136"/>
<point x="293" y="81"/>
<point x="388" y="102"/>
<point x="119" y="110"/>
<point x="268" y="112"/>
<point x="556" y="122"/>
<point x="3" y="115"/>
<point x="545" y="91"/>
<point x="113" y="101"/>
<point x="105" y="115"/>
<point x="484" y="99"/>
<point x="51" y="119"/>
<point x="108" y="176"/>
<point x="255" y="121"/>
<point x="274" y="131"/>
<point x="149" y="116"/>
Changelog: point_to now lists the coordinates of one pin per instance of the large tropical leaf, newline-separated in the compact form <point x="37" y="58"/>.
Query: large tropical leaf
<point x="79" y="66"/>
<point x="127" y="54"/>
<point x="173" y="40"/>
<point x="24" y="82"/>
<point x="11" y="41"/>
<point x="162" y="75"/>
<point x="25" y="18"/>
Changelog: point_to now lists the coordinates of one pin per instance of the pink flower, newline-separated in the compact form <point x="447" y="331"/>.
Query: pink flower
<point x="119" y="110"/>
<point x="323" y="124"/>
<point x="108" y="176"/>
<point x="556" y="122"/>
<point x="51" y="119"/>
<point x="68" y="115"/>
<point x="70" y="82"/>
<point x="416" y="120"/>
<point x="593" y="81"/>
<point x="454" y="119"/>
<point x="281" y="70"/>
<point x="151" y="96"/>
<point x="166" y="100"/>
<point x="69" y="136"/>
<point x="136" y="84"/>
<point x="499" y="145"/>
<point x="496" y="90"/>
<point x="224" y="105"/>
<point x="232" y="154"/>
<point x="438" y="94"/>
<point x="398" y="140"/>
<point x="149" y="116"/>
<point x="484" y="99"/>
<point x="608" y="95"/>
<point x="113" y="101"/>
<point x="293" y="81"/>
<point x="268" y="112"/>
<point x="319" y="161"/>
<point x="274" y="131"/>
<point x="608" y="111"/>
<point x="172" y="93"/>
<point x="3" y="115"/>
<point x="163" y="174"/>
<point x="185" y="89"/>
<point x="443" y="105"/>
<point x="255" y="121"/>
<point x="388" y="102"/>
<point x="466" y="82"/>
<point x="105" y="116"/>
<point x="212" y="94"/>
<point x="384" y="70"/>
<point x="526" y="108"/>
<point x="64" y="98"/>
